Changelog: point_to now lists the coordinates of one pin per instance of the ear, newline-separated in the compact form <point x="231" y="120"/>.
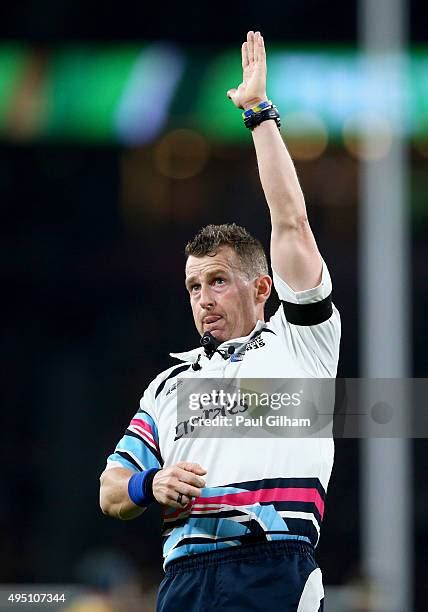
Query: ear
<point x="263" y="287"/>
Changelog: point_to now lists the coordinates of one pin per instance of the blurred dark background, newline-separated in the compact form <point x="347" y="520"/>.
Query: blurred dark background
<point x="203" y="23"/>
<point x="92" y="241"/>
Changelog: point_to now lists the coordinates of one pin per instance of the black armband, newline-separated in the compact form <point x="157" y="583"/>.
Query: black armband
<point x="308" y="314"/>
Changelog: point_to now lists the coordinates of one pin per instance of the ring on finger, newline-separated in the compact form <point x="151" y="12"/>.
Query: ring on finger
<point x="180" y="499"/>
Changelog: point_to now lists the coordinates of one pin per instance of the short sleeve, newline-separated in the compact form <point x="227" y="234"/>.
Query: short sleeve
<point x="321" y="293"/>
<point x="138" y="449"/>
<point x="310" y="324"/>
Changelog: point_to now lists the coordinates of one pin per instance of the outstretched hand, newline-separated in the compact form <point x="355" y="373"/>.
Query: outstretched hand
<point x="252" y="90"/>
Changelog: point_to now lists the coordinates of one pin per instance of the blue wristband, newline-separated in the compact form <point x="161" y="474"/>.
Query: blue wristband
<point x="140" y="489"/>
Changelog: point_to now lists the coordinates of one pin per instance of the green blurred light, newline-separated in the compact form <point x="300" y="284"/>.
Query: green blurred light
<point x="80" y="92"/>
<point x="83" y="88"/>
<point x="215" y="115"/>
<point x="418" y="94"/>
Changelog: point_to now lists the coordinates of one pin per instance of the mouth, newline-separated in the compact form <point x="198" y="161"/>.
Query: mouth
<point x="211" y="319"/>
<point x="211" y="322"/>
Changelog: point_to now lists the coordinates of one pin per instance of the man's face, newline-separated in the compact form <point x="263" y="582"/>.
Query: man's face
<point x="224" y="301"/>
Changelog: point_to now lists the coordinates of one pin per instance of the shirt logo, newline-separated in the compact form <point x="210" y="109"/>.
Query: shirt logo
<point x="174" y="386"/>
<point x="255" y="344"/>
<point x="251" y="345"/>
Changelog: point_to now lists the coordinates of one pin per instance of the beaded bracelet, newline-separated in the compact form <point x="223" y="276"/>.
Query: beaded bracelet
<point x="257" y="109"/>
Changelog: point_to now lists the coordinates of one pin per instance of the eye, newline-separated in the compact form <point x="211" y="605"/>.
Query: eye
<point x="219" y="281"/>
<point x="195" y="287"/>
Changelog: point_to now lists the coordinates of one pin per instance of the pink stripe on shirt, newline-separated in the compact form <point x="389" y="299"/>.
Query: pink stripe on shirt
<point x="246" y="498"/>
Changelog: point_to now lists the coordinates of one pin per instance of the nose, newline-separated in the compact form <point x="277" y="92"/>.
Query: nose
<point x="207" y="300"/>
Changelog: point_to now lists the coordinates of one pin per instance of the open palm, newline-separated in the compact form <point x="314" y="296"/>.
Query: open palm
<point x="252" y="90"/>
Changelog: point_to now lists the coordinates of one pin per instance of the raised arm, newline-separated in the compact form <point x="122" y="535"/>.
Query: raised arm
<point x="294" y="253"/>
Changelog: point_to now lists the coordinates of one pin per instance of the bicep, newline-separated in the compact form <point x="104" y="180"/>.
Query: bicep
<point x="310" y="323"/>
<point x="295" y="256"/>
<point x="314" y="344"/>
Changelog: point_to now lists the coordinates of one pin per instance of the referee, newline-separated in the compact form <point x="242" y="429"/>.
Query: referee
<point x="241" y="517"/>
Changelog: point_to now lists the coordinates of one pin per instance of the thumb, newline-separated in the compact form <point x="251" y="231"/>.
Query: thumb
<point x="230" y="93"/>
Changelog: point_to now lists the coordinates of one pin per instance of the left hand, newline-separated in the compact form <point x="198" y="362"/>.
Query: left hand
<point x="252" y="90"/>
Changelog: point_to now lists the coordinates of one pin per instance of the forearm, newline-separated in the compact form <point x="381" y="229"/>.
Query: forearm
<point x="278" y="178"/>
<point x="294" y="253"/>
<point x="114" y="498"/>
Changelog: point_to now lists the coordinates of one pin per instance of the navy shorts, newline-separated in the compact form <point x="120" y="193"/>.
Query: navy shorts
<point x="279" y="576"/>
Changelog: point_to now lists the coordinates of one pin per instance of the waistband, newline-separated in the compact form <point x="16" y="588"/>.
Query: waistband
<point x="243" y="552"/>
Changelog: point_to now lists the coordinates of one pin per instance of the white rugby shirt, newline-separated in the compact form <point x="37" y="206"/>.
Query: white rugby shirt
<point x="257" y="489"/>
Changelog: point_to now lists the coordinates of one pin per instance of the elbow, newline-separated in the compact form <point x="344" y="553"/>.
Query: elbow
<point x="105" y="503"/>
<point x="110" y="508"/>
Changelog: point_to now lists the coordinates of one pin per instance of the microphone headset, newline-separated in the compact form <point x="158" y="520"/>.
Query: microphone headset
<point x="197" y="366"/>
<point x="210" y="344"/>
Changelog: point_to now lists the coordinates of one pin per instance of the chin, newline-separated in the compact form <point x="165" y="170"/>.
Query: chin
<point x="220" y="335"/>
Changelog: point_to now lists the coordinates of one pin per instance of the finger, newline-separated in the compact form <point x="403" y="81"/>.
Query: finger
<point x="173" y="503"/>
<point x="187" y="490"/>
<point x="169" y="496"/>
<point x="231" y="93"/>
<point x="244" y="52"/>
<point x="261" y="52"/>
<point x="192" y="467"/>
<point x="256" y="45"/>
<point x="191" y="479"/>
<point x="250" y="45"/>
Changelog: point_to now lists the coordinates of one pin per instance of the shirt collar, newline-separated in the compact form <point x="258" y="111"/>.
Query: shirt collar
<point x="236" y="342"/>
